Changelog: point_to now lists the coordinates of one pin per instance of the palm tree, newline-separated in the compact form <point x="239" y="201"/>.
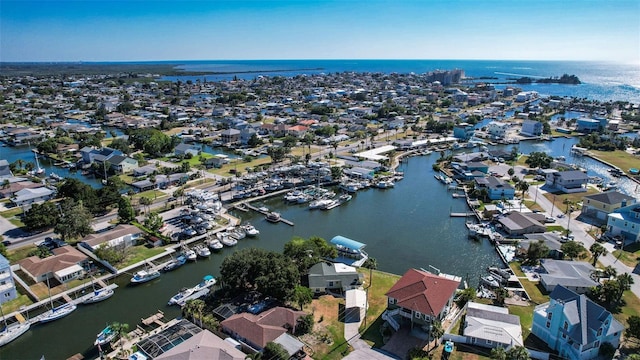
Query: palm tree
<point x="498" y="353"/>
<point x="518" y="353"/>
<point x="436" y="331"/>
<point x="501" y="294"/>
<point x="596" y="251"/>
<point x="121" y="331"/>
<point x="6" y="183"/>
<point x="193" y="308"/>
<point x="522" y="186"/>
<point x="145" y="201"/>
<point x="568" y="203"/>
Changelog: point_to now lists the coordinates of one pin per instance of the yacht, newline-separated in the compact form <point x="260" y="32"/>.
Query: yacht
<point x="250" y="230"/>
<point x="226" y="240"/>
<point x="215" y="245"/>
<point x="273" y="217"/>
<point x="143" y="276"/>
<point x="203" y="251"/>
<point x="13" y="331"/>
<point x="175" y="263"/>
<point x="184" y="292"/>
<point x="105" y="336"/>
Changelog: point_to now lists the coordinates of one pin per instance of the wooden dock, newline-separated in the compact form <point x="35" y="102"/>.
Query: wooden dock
<point x="154" y="319"/>
<point x="251" y="207"/>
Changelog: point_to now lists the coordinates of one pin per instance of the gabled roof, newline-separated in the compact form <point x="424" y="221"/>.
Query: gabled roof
<point x="265" y="327"/>
<point x="423" y="291"/>
<point x="585" y="316"/>
<point x="63" y="257"/>
<point x="610" y="197"/>
<point x="203" y="346"/>
<point x="493" y="323"/>
<point x="568" y="273"/>
<point x="117" y="232"/>
<point x="519" y="221"/>
<point x="572" y="175"/>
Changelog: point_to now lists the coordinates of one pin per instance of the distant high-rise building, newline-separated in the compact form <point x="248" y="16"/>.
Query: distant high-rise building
<point x="446" y="77"/>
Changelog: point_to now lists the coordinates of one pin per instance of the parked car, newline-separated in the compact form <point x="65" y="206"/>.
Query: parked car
<point x="549" y="219"/>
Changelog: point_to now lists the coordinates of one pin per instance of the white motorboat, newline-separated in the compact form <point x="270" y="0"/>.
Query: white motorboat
<point x="226" y="240"/>
<point x="105" y="336"/>
<point x="184" y="292"/>
<point x="144" y="276"/>
<point x="250" y="230"/>
<point x="203" y="251"/>
<point x="273" y="217"/>
<point x="57" y="313"/>
<point x="237" y="233"/>
<point x="99" y="295"/>
<point x="190" y="254"/>
<point x="320" y="204"/>
<point x="490" y="281"/>
<point x="215" y="244"/>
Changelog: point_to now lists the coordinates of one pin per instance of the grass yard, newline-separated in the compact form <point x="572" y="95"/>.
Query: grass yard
<point x="629" y="256"/>
<point x="631" y="307"/>
<point x="534" y="290"/>
<point x="240" y="166"/>
<point x="20" y="253"/>
<point x="558" y="199"/>
<point x="149" y="194"/>
<point x="11" y="213"/>
<point x="327" y="338"/>
<point x="139" y="253"/>
<point x="16" y="304"/>
<point x="619" y="158"/>
<point x="525" y="313"/>
<point x="382" y="282"/>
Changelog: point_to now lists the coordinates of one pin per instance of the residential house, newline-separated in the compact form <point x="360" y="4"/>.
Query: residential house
<point x="16" y="184"/>
<point x="255" y="331"/>
<point x="216" y="161"/>
<point x="122" y="236"/>
<point x="497" y="129"/>
<point x="297" y="130"/>
<point x="66" y="264"/>
<point x="570" y="181"/>
<point x="419" y="298"/>
<point x="90" y="155"/>
<point x="28" y="196"/>
<point x="145" y="170"/>
<point x="7" y="286"/>
<point x="184" y="149"/>
<point x="491" y="326"/>
<point x="123" y="164"/>
<point x="531" y="128"/>
<point x="333" y="277"/>
<point x="496" y="188"/>
<point x="230" y="136"/>
<point x="573" y="275"/>
<point x="575" y="326"/>
<point x="5" y="171"/>
<point x="586" y="125"/>
<point x="246" y="134"/>
<point x="599" y="205"/>
<point x="517" y="223"/>
<point x="463" y="131"/>
<point x="204" y="345"/>
<point x="625" y="222"/>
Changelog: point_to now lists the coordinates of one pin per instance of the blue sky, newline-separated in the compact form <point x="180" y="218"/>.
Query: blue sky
<point x="96" y="30"/>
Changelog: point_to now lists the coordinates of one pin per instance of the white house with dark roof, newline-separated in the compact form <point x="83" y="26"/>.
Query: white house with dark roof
<point x="492" y="326"/>
<point x="573" y="275"/>
<point x="570" y="181"/>
<point x="334" y="277"/>
<point x="122" y="236"/>
<point x="575" y="326"/>
<point x="123" y="164"/>
<point x="599" y="205"/>
<point x="625" y="222"/>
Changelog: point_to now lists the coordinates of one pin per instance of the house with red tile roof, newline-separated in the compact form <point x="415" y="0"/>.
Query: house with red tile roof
<point x="66" y="264"/>
<point x="419" y="298"/>
<point x="258" y="330"/>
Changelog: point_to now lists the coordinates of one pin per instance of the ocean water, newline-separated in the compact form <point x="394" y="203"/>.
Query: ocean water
<point x="601" y="81"/>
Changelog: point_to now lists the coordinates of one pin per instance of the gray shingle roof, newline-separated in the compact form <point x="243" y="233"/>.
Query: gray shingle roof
<point x="609" y="197"/>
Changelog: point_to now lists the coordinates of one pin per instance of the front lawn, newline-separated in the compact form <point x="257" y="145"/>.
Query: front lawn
<point x="327" y="338"/>
<point x="558" y="199"/>
<point x="11" y="213"/>
<point x="534" y="290"/>
<point x="618" y="158"/>
<point x="629" y="255"/>
<point x="525" y="313"/>
<point x="382" y="282"/>
<point x="137" y="254"/>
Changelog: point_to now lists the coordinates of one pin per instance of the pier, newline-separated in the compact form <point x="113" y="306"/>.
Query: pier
<point x="154" y="319"/>
<point x="462" y="214"/>
<point x="263" y="212"/>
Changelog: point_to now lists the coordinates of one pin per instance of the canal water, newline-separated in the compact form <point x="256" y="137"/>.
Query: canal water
<point x="405" y="227"/>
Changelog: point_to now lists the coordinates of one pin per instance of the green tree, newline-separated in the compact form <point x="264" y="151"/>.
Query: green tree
<point x="501" y="295"/>
<point x="511" y="172"/>
<point x="145" y="201"/>
<point x="537" y="250"/>
<point x="538" y="159"/>
<point x="126" y="213"/>
<point x="193" y="308"/>
<point x="597" y="250"/>
<point x="74" y="222"/>
<point x="41" y="216"/>
<point x="522" y="186"/>
<point x="121" y="330"/>
<point x="276" y="153"/>
<point x="306" y="253"/>
<point x="304" y="325"/>
<point x="153" y="221"/>
<point x="498" y="353"/>
<point x="121" y="144"/>
<point x="436" y="330"/>
<point x="254" y="141"/>
<point x="465" y="296"/>
<point x="302" y="296"/>
<point x="3" y="250"/>
<point x="572" y="249"/>
<point x="633" y="327"/>
<point x="518" y="353"/>
<point x="336" y="172"/>
<point x="273" y="351"/>
<point x="111" y="254"/>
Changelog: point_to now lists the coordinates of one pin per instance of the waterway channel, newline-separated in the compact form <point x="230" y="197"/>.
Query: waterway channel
<point x="404" y="227"/>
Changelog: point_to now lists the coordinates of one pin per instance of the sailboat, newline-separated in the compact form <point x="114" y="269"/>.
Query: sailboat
<point x="38" y="170"/>
<point x="13" y="331"/>
<point x="98" y="295"/>
<point x="56" y="312"/>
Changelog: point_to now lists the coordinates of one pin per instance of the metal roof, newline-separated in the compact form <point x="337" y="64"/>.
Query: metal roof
<point x="348" y="243"/>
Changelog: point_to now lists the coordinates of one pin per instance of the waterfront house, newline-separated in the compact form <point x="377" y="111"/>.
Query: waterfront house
<point x="66" y="264"/>
<point x="586" y="125"/>
<point x="497" y="129"/>
<point x="575" y="326"/>
<point x="463" y="131"/>
<point x="183" y="149"/>
<point x="273" y="325"/>
<point x="145" y="170"/>
<point x="625" y="222"/>
<point x="497" y="189"/>
<point x="5" y="171"/>
<point x="531" y="128"/>
<point x="491" y="326"/>
<point x="28" y="196"/>
<point x="216" y="161"/>
<point x="500" y="153"/>
<point x="91" y="155"/>
<point x="203" y="345"/>
<point x="121" y="237"/>
<point x="570" y="181"/>
<point x="350" y="252"/>
<point x="517" y="223"/>
<point x="573" y="275"/>
<point x="7" y="286"/>
<point x="599" y="205"/>
<point x="123" y="164"/>
<point x="230" y="136"/>
<point x="418" y="298"/>
<point x="333" y="277"/>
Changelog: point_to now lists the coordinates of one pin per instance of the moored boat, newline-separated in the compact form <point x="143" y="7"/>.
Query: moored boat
<point x="273" y="217"/>
<point x="215" y="244"/>
<point x="13" y="331"/>
<point x="105" y="336"/>
<point x="57" y="313"/>
<point x="250" y="230"/>
<point x="203" y="251"/>
<point x="184" y="292"/>
<point x="143" y="276"/>
<point x="99" y="295"/>
<point x="226" y="240"/>
<point x="190" y="254"/>
<point x="175" y="263"/>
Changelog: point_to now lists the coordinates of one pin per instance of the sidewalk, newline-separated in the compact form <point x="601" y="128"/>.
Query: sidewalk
<point x="579" y="230"/>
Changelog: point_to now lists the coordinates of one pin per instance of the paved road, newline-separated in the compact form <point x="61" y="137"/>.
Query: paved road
<point x="579" y="230"/>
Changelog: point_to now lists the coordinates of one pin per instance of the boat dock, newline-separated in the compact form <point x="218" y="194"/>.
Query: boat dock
<point x="89" y="294"/>
<point x="154" y="319"/>
<point x="263" y="212"/>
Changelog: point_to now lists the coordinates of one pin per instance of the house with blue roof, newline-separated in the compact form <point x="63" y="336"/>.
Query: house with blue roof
<point x="575" y="326"/>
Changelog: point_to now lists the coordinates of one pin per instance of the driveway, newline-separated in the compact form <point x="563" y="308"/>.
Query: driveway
<point x="579" y="230"/>
<point x="362" y="350"/>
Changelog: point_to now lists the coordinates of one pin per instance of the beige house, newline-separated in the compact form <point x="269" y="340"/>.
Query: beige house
<point x="599" y="205"/>
<point x="66" y="264"/>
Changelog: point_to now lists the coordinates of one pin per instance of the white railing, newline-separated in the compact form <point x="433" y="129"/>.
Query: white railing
<point x="388" y="316"/>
